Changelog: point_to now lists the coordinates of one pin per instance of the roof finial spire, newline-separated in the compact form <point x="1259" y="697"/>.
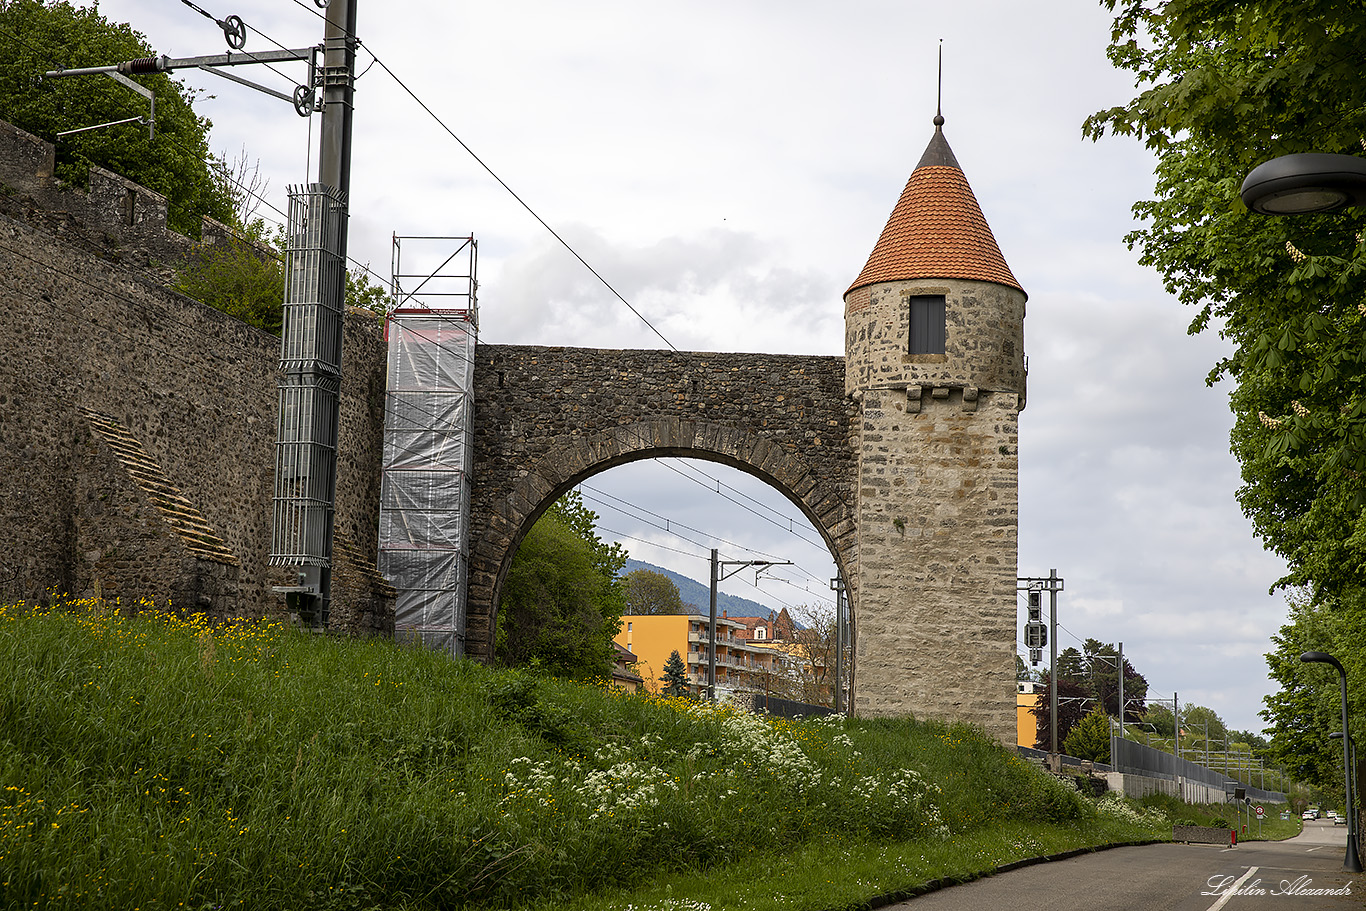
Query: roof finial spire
<point x="939" y="95"/>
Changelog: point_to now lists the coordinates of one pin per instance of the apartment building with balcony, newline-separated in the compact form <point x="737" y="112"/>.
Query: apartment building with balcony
<point x="741" y="666"/>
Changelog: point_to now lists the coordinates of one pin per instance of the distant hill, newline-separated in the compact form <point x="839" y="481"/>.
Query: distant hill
<point x="697" y="595"/>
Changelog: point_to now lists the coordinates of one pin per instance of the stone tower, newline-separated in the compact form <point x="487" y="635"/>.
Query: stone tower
<point x="934" y="348"/>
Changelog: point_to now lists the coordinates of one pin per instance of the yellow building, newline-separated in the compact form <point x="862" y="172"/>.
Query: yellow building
<point x="740" y="665"/>
<point x="1026" y="725"/>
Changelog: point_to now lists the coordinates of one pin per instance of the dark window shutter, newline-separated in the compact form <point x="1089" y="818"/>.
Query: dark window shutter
<point x="928" y="319"/>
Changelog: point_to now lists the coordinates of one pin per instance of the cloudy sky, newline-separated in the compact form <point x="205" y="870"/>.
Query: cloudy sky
<point x="727" y="166"/>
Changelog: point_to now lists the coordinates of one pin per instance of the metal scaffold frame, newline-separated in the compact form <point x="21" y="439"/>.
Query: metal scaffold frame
<point x="428" y="424"/>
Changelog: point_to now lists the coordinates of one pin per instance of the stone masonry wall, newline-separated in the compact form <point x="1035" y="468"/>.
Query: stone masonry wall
<point x="984" y="338"/>
<point x="89" y="324"/>
<point x="546" y="418"/>
<point x="938" y="508"/>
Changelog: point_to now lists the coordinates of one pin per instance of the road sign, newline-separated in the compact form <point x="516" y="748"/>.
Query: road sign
<point x="1260" y="811"/>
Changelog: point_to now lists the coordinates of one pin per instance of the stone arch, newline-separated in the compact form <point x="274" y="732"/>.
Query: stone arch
<point x="570" y="460"/>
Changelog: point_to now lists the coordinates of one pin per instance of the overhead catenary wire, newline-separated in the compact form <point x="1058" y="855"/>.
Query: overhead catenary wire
<point x="502" y="183"/>
<point x="669" y="526"/>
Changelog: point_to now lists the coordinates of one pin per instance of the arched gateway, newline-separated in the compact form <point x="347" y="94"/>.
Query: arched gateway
<point x="547" y="418"/>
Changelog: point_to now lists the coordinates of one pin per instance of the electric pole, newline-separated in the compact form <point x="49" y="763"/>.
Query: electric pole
<point x="719" y="574"/>
<point x="837" y="584"/>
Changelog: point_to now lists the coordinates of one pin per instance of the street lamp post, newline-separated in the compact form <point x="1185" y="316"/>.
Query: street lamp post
<point x="1351" y="861"/>
<point x="1356" y="785"/>
<point x="1300" y="184"/>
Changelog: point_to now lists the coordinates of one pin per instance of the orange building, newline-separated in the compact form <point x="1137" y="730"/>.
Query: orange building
<point x="1026" y="725"/>
<point x="740" y="666"/>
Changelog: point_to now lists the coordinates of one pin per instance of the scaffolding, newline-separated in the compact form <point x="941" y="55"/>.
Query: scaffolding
<point x="428" y="422"/>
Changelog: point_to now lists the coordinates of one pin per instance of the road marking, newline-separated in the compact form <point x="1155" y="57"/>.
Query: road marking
<point x="1223" y="899"/>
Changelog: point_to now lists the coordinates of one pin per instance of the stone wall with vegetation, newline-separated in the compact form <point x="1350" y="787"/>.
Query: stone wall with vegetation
<point x="139" y="425"/>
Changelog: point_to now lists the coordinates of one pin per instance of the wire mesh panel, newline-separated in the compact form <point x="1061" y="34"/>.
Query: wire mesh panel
<point x="425" y="490"/>
<point x="305" y="471"/>
<point x="315" y="281"/>
<point x="310" y="379"/>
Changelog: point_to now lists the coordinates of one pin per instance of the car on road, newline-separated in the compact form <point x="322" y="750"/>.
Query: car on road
<point x="1309" y="814"/>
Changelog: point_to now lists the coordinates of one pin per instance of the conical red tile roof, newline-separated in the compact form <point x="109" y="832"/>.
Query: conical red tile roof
<point x="937" y="229"/>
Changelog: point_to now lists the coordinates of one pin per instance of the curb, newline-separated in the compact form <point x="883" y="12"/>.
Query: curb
<point x="944" y="882"/>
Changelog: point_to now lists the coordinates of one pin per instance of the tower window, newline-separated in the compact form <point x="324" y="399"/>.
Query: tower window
<point x="928" y="318"/>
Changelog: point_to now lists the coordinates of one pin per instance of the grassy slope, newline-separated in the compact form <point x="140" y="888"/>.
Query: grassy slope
<point x="159" y="763"/>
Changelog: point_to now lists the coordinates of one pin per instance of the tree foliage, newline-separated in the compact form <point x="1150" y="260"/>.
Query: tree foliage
<point x="1096" y="669"/>
<point x="649" y="593"/>
<point x="561" y="603"/>
<point x="1088" y="678"/>
<point x="36" y="37"/>
<point x="1200" y="725"/>
<point x="1073" y="703"/>
<point x="1090" y="737"/>
<point x="1308" y="705"/>
<point x="244" y="277"/>
<point x="1225" y="85"/>
<point x="814" y="646"/>
<point x="675" y="678"/>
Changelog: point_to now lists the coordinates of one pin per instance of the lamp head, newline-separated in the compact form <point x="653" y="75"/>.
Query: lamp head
<point x="1305" y="182"/>
<point x="1322" y="658"/>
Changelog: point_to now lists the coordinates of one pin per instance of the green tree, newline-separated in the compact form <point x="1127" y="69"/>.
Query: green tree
<point x="675" y="677"/>
<point x="1308" y="705"/>
<point x="1090" y="737"/>
<point x="1162" y="720"/>
<point x="1102" y="670"/>
<point x="245" y="278"/>
<point x="1201" y="724"/>
<point x="1072" y="666"/>
<point x="649" y="592"/>
<point x="561" y="603"/>
<point x="38" y="36"/>
<point x="1225" y="86"/>
<point x="242" y="277"/>
<point x="1072" y="702"/>
<point x="1095" y="670"/>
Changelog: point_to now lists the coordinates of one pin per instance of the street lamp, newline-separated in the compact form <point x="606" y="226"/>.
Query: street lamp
<point x="1305" y="182"/>
<point x="1351" y="862"/>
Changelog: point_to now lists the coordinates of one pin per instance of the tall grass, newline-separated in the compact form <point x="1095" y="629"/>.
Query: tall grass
<point x="151" y="761"/>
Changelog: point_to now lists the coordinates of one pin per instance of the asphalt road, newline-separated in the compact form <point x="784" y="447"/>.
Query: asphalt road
<point x="1172" y="877"/>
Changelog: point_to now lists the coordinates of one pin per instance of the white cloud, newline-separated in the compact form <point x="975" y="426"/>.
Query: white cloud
<point x="729" y="166"/>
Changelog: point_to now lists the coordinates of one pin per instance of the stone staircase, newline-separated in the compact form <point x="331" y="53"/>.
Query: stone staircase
<point x="178" y="512"/>
<point x="344" y="550"/>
